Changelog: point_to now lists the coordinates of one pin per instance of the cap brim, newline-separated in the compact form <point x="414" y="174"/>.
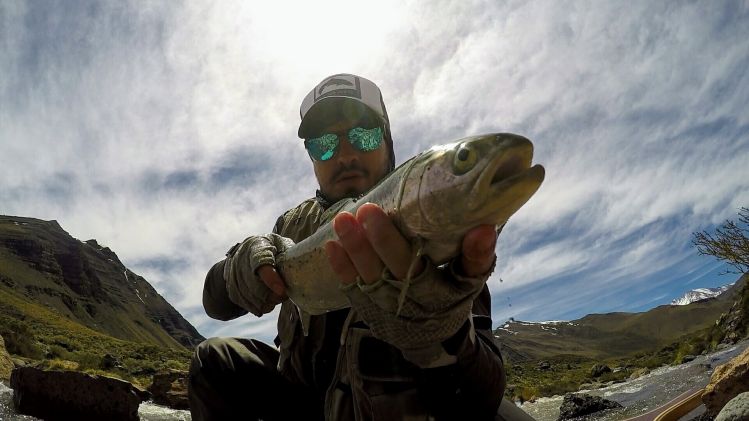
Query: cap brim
<point x="329" y="110"/>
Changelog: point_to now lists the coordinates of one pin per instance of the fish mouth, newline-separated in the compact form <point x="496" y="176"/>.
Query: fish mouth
<point x="506" y="183"/>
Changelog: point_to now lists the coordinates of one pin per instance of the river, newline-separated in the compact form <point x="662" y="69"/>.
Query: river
<point x="638" y="396"/>
<point x="648" y="392"/>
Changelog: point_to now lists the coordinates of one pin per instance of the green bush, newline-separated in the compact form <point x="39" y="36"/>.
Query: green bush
<point x="58" y="352"/>
<point x="19" y="338"/>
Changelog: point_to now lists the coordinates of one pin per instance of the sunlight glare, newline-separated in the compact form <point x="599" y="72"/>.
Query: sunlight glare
<point x="324" y="35"/>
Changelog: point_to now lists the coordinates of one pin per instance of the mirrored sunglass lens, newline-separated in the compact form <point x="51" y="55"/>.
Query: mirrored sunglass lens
<point x="322" y="148"/>
<point x="365" y="140"/>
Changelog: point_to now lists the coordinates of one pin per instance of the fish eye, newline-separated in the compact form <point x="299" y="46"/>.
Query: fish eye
<point x="464" y="160"/>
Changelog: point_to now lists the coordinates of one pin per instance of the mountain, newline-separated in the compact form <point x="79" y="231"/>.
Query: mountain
<point x="733" y="325"/>
<point x="84" y="282"/>
<point x="699" y="294"/>
<point x="613" y="335"/>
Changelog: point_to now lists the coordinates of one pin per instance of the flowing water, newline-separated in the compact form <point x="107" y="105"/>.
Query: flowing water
<point x="645" y="393"/>
<point x="637" y="396"/>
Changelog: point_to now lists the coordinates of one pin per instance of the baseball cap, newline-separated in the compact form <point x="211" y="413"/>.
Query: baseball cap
<point x="341" y="93"/>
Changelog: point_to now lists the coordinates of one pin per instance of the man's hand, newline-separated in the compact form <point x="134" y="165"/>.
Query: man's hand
<point x="251" y="279"/>
<point x="273" y="281"/>
<point x="369" y="242"/>
<point x="416" y="316"/>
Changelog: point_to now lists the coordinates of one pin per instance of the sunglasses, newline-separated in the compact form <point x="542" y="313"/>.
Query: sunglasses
<point x="324" y="147"/>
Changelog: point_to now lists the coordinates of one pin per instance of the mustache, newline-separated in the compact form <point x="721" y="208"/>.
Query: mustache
<point x="353" y="167"/>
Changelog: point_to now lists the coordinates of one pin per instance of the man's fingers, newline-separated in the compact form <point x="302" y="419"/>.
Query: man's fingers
<point x="478" y="250"/>
<point x="392" y="247"/>
<point x="340" y="262"/>
<point x="355" y="243"/>
<point x="272" y="280"/>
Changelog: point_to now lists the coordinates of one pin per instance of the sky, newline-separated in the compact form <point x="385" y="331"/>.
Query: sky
<point x="167" y="130"/>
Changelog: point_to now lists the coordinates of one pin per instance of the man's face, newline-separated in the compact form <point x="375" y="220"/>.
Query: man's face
<point x="350" y="172"/>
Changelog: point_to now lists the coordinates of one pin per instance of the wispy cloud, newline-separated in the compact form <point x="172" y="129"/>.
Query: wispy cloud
<point x="168" y="132"/>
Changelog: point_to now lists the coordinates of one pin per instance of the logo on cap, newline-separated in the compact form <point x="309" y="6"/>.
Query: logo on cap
<point x="339" y="85"/>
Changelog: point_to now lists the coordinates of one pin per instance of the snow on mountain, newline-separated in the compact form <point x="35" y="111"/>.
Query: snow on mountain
<point x="699" y="294"/>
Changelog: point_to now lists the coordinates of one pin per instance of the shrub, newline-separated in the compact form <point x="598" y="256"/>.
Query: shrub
<point x="19" y="339"/>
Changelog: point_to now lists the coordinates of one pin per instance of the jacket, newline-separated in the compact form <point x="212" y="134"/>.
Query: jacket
<point x="358" y="376"/>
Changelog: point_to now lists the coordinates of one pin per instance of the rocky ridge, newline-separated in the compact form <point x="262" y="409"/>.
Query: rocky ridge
<point x="86" y="283"/>
<point x="699" y="294"/>
<point x="616" y="335"/>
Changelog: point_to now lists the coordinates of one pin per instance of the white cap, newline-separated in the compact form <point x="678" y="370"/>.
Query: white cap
<point x="332" y="94"/>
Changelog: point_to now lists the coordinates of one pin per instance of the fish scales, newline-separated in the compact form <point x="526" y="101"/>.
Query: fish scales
<point x="434" y="199"/>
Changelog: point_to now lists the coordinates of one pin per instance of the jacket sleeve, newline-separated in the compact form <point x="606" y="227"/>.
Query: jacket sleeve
<point x="215" y="298"/>
<point x="250" y="294"/>
<point x="479" y="378"/>
<point x="472" y="388"/>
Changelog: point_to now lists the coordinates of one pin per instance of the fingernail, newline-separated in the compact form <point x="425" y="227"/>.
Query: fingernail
<point x="366" y="218"/>
<point x="342" y="226"/>
<point x="365" y="221"/>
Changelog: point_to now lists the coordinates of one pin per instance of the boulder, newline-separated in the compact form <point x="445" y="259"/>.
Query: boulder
<point x="6" y="363"/>
<point x="74" y="395"/>
<point x="108" y="362"/>
<point x="599" y="369"/>
<point x="639" y="373"/>
<point x="737" y="409"/>
<point x="727" y="381"/>
<point x="170" y="389"/>
<point x="544" y="365"/>
<point x="577" y="405"/>
<point x="590" y="386"/>
<point x="687" y="358"/>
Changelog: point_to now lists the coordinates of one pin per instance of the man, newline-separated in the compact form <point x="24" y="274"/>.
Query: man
<point x="365" y="362"/>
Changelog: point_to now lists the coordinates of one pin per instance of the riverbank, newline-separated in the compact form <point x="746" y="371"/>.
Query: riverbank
<point x="147" y="410"/>
<point x="648" y="392"/>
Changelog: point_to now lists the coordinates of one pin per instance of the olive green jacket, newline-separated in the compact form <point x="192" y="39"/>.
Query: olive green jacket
<point x="359" y="376"/>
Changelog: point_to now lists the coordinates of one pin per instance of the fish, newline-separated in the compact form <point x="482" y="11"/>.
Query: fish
<point x="434" y="199"/>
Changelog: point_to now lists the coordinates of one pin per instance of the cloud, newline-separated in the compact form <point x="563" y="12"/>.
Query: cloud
<point x="168" y="132"/>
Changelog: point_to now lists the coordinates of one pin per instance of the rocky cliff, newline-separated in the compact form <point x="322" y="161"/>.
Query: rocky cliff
<point x="85" y="282"/>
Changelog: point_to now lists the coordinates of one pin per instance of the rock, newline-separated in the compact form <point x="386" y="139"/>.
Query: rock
<point x="18" y="362"/>
<point x="6" y="363"/>
<point x="688" y="358"/>
<point x="727" y="381"/>
<point x="737" y="409"/>
<point x="73" y="395"/>
<point x="639" y="373"/>
<point x="702" y="417"/>
<point x="170" y="389"/>
<point x="599" y="369"/>
<point x="577" y="405"/>
<point x="544" y="365"/>
<point x="109" y="362"/>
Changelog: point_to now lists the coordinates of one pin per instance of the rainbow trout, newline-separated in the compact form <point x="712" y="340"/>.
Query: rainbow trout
<point x="433" y="199"/>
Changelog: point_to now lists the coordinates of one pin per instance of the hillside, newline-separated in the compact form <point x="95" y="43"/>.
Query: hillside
<point x="85" y="283"/>
<point x="613" y="335"/>
<point x="553" y="358"/>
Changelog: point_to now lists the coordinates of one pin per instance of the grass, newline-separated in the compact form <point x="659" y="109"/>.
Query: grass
<point x="568" y="373"/>
<point x="41" y="335"/>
